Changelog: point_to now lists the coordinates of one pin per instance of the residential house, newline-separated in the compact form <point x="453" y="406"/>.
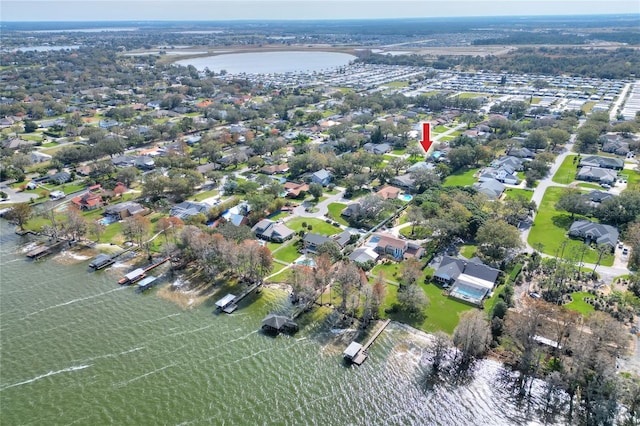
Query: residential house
<point x="272" y="231"/>
<point x="592" y="232"/>
<point x="275" y="169"/>
<point x="352" y="209"/>
<point x="514" y="163"/>
<point x="491" y="187"/>
<point x="421" y="165"/>
<point x="186" y="209"/>
<point x="388" y="192"/>
<point x="342" y="238"/>
<point x="469" y="280"/>
<point x="312" y="241"/>
<point x="597" y="174"/>
<point x="520" y="152"/>
<point x="323" y="177"/>
<point x="59" y="178"/>
<point x="295" y="190"/>
<point x="89" y="201"/>
<point x="405" y="181"/>
<point x="616" y="147"/>
<point x="596" y="197"/>
<point x="602" y="162"/>
<point x="125" y="209"/>
<point x="204" y="168"/>
<point x="504" y="174"/>
<point x="39" y="157"/>
<point x="237" y="215"/>
<point x="363" y="255"/>
<point x="387" y="244"/>
<point x="15" y="143"/>
<point x="140" y="161"/>
<point x="377" y="149"/>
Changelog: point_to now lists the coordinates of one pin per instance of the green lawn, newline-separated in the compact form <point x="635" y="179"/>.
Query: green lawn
<point x="398" y="84"/>
<point x="335" y="209"/>
<point x="461" y="178"/>
<point x="205" y="194"/>
<point x="579" y="305"/>
<point x="280" y="215"/>
<point x="280" y="277"/>
<point x="50" y="144"/>
<point x="550" y="227"/>
<point x="633" y="178"/>
<point x="287" y="253"/>
<point x="318" y="226"/>
<point x="589" y="185"/>
<point x="567" y="171"/>
<point x="399" y="151"/>
<point x="419" y="232"/>
<point x="390" y="271"/>
<point x="443" y="313"/>
<point x="468" y="250"/>
<point x="514" y="193"/>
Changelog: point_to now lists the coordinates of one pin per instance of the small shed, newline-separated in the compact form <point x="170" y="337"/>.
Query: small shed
<point x="352" y="351"/>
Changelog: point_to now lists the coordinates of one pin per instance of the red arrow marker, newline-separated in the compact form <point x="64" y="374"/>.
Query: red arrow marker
<point x="426" y="141"/>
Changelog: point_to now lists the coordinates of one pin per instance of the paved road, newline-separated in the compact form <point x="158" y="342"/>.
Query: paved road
<point x="607" y="273"/>
<point x="618" y="103"/>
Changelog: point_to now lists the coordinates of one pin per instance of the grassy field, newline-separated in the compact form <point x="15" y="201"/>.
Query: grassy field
<point x="589" y="186"/>
<point x="579" y="305"/>
<point x="443" y="313"/>
<point x="390" y="271"/>
<point x="287" y="253"/>
<point x="398" y="84"/>
<point x="335" y="209"/>
<point x="204" y="195"/>
<point x="461" y="178"/>
<point x="468" y="250"/>
<point x="567" y="171"/>
<point x="550" y="227"/>
<point x="318" y="226"/>
<point x="514" y="193"/>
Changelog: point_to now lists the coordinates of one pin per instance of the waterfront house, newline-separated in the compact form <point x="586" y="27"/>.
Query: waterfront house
<point x="125" y="209"/>
<point x="89" y="201"/>
<point x="469" y="280"/>
<point x="592" y="232"/>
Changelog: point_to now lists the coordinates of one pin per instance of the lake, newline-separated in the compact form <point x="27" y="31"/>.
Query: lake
<point x="271" y="62"/>
<point x="76" y="348"/>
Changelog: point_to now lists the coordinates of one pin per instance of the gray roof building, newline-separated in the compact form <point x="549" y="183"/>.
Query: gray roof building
<point x="603" y="162"/>
<point x="594" y="232"/>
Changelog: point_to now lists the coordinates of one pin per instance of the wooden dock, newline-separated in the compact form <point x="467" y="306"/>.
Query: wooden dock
<point x="101" y="261"/>
<point x="363" y="353"/>
<point x="44" y="250"/>
<point x="228" y="304"/>
<point x="140" y="273"/>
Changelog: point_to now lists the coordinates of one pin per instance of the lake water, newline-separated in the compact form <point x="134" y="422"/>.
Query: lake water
<point x="271" y="62"/>
<point x="76" y="348"/>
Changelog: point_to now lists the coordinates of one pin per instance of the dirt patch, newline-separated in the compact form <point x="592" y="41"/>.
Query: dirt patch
<point x="75" y="255"/>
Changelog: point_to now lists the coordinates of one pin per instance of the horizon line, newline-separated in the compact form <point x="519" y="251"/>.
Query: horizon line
<point x="574" y="15"/>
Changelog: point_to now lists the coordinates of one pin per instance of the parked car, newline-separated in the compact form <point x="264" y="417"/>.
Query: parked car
<point x="625" y="251"/>
<point x="535" y="295"/>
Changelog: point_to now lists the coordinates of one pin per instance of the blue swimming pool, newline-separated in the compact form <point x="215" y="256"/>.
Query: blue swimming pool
<point x="306" y="262"/>
<point x="107" y="220"/>
<point x="405" y="197"/>
<point x="468" y="293"/>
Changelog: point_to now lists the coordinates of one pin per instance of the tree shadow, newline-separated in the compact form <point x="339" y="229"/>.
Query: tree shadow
<point x="563" y="221"/>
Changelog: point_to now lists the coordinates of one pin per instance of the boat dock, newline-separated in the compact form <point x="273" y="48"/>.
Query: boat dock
<point x="140" y="273"/>
<point x="357" y="353"/>
<point x="44" y="250"/>
<point x="146" y="283"/>
<point x="101" y="261"/>
<point x="229" y="303"/>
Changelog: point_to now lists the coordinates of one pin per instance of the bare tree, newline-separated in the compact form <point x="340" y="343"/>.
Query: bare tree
<point x="97" y="229"/>
<point x="472" y="337"/>
<point x="20" y="214"/>
<point x="75" y="225"/>
<point x="438" y="348"/>
<point x="136" y="228"/>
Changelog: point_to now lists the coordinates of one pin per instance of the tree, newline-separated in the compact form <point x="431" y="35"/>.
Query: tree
<point x="574" y="202"/>
<point x="413" y="300"/>
<point x="472" y="337"/>
<point x="415" y="216"/>
<point x="97" y="229"/>
<point x="316" y="190"/>
<point x="410" y="271"/>
<point x="30" y="126"/>
<point x="347" y="277"/>
<point x="398" y="163"/>
<point x="75" y="225"/>
<point x="331" y="249"/>
<point x="136" y="228"/>
<point x="438" y="348"/>
<point x="497" y="239"/>
<point x="20" y="214"/>
<point x="537" y="139"/>
<point x="127" y="175"/>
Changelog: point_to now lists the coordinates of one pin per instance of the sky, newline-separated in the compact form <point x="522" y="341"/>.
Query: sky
<point x="214" y="10"/>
